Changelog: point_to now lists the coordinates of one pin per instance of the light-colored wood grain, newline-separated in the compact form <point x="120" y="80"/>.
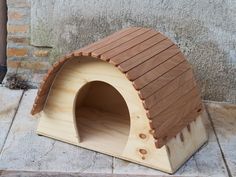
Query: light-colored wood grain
<point x="92" y="124"/>
<point x="108" y="132"/>
<point x="92" y="71"/>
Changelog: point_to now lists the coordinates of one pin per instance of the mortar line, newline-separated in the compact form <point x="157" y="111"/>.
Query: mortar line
<point x="218" y="141"/>
<point x="9" y="129"/>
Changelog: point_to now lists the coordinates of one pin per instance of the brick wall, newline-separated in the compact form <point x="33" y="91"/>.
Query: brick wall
<point x="29" y="61"/>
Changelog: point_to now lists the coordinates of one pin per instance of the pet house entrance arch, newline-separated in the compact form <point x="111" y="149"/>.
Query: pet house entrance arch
<point x="102" y="116"/>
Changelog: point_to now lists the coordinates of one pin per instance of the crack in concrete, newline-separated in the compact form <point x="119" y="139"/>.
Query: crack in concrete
<point x="50" y="149"/>
<point x="90" y="165"/>
<point x="45" y="154"/>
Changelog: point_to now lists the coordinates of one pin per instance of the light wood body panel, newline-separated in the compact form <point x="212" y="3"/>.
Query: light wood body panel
<point x="58" y="119"/>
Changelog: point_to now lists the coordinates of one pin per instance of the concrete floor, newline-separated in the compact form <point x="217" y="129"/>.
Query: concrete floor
<point x="23" y="153"/>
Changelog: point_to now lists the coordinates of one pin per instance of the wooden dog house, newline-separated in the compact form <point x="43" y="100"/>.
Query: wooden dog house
<point x="131" y="95"/>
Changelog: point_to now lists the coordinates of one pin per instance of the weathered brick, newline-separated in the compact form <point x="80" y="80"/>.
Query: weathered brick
<point x="16" y="39"/>
<point x="35" y="65"/>
<point x="32" y="65"/>
<point x="17" y="28"/>
<point x="41" y="53"/>
<point x="13" y="64"/>
<point x="14" y="15"/>
<point x="17" y="52"/>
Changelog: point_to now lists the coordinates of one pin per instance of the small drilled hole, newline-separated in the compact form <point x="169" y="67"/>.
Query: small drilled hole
<point x="143" y="151"/>
<point x="142" y="136"/>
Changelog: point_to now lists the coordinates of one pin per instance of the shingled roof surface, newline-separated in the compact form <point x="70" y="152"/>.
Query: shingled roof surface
<point x="158" y="70"/>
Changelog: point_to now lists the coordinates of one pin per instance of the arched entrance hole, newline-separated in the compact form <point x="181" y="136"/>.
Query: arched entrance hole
<point x="102" y="117"/>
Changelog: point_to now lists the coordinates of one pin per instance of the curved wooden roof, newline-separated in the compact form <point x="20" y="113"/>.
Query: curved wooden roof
<point x="158" y="70"/>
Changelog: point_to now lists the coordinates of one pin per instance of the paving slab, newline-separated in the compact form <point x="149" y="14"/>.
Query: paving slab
<point x="26" y="151"/>
<point x="58" y="174"/>
<point x="224" y="121"/>
<point x="9" y="101"/>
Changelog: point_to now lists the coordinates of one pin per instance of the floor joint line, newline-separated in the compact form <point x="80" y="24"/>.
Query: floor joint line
<point x="218" y="141"/>
<point x="9" y="129"/>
